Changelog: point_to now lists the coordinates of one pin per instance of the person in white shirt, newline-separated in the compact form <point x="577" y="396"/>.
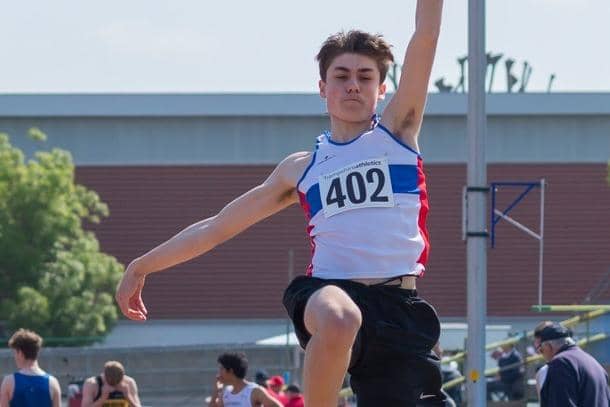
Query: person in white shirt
<point x="233" y="390"/>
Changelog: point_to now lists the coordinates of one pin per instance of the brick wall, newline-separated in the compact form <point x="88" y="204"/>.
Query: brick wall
<point x="245" y="277"/>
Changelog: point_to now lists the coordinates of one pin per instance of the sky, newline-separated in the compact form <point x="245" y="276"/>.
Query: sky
<point x="189" y="46"/>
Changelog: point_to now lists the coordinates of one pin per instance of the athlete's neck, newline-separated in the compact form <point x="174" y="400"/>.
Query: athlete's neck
<point x="238" y="385"/>
<point x="344" y="132"/>
<point x="30" y="366"/>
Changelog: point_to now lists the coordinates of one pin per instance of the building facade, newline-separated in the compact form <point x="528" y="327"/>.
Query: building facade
<point x="162" y="162"/>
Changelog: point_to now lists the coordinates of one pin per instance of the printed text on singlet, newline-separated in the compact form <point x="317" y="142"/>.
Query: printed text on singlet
<point x="363" y="184"/>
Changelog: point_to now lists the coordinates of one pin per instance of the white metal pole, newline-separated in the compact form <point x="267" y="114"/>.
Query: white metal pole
<point x="477" y="206"/>
<point x="541" y="251"/>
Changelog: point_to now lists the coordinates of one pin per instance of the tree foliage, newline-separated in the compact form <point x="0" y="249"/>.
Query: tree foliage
<point x="53" y="277"/>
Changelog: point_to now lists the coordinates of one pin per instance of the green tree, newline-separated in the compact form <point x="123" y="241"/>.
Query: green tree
<point x="53" y="277"/>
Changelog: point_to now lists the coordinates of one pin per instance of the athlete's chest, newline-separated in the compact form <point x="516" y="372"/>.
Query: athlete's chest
<point x="332" y="157"/>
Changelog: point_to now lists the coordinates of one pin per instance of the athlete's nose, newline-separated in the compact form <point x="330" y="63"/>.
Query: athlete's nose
<point x="352" y="87"/>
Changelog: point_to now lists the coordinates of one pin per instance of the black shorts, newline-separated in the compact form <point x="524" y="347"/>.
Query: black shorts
<point x="392" y="363"/>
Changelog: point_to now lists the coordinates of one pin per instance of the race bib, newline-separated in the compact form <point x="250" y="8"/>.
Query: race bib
<point x="363" y="184"/>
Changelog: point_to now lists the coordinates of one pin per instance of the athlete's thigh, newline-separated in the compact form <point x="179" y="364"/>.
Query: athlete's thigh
<point x="331" y="306"/>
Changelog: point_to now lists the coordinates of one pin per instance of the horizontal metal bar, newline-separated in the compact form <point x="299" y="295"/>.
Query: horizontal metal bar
<point x="477" y="234"/>
<point x="477" y="189"/>
<point x="515" y="184"/>
<point x="568" y="308"/>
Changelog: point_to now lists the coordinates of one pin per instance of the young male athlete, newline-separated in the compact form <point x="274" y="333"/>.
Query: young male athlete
<point x="233" y="390"/>
<point x="29" y="386"/>
<point x="364" y="195"/>
<point x="112" y="388"/>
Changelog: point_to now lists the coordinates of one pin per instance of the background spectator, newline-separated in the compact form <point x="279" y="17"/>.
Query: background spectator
<point x="111" y="388"/>
<point x="294" y="396"/>
<point x="29" y="386"/>
<point x="509" y="382"/>
<point x="573" y="377"/>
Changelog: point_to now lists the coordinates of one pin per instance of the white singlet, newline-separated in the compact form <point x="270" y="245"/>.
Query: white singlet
<point x="241" y="399"/>
<point x="366" y="204"/>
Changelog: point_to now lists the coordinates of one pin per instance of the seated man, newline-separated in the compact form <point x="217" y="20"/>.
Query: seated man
<point x="509" y="383"/>
<point x="113" y="388"/>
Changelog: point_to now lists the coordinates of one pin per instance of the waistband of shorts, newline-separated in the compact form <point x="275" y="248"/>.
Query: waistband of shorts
<point x="385" y="285"/>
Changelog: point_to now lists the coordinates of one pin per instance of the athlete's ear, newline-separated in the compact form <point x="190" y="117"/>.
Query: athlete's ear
<point x="322" y="87"/>
<point x="382" y="90"/>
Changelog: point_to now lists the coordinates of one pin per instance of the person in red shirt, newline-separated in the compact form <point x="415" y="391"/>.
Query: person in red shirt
<point x="276" y="385"/>
<point x="295" y="398"/>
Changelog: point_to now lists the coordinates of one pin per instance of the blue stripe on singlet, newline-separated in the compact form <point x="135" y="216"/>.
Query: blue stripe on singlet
<point x="314" y="200"/>
<point x="403" y="178"/>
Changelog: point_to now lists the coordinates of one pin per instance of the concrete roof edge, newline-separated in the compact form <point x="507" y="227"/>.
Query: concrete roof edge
<point x="278" y="104"/>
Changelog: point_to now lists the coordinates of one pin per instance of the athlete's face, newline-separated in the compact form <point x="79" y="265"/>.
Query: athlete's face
<point x="352" y="87"/>
<point x="223" y="375"/>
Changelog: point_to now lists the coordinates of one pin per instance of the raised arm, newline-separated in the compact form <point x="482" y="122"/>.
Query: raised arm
<point x="403" y="114"/>
<point x="276" y="193"/>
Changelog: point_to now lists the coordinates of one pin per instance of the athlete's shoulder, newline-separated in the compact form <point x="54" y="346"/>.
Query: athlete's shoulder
<point x="129" y="379"/>
<point x="298" y="157"/>
<point x="8" y="379"/>
<point x="91" y="380"/>
<point x="54" y="384"/>
<point x="259" y="393"/>
<point x="7" y="385"/>
<point x="292" y="167"/>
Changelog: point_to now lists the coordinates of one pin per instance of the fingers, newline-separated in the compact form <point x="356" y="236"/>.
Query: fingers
<point x="126" y="308"/>
<point x="137" y="306"/>
<point x="140" y="306"/>
<point x="134" y="314"/>
<point x="140" y="302"/>
<point x="129" y="298"/>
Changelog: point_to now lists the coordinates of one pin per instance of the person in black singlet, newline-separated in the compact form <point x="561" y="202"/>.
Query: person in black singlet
<point x="113" y="388"/>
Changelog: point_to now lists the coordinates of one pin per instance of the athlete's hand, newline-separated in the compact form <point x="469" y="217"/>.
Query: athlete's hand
<point x="106" y="390"/>
<point x="129" y="294"/>
<point x="123" y="387"/>
<point x="218" y="386"/>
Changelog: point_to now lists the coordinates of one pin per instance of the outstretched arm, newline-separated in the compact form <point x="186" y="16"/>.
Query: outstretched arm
<point x="403" y="114"/>
<point x="276" y="193"/>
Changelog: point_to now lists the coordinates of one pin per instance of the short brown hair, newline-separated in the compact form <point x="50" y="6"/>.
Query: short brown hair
<point x="26" y="341"/>
<point x="357" y="42"/>
<point x="113" y="372"/>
